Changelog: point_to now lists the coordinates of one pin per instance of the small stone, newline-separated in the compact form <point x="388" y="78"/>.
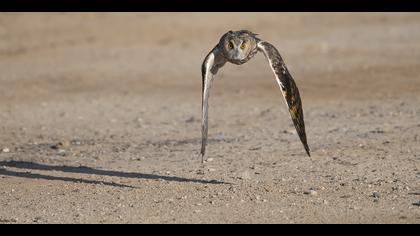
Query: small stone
<point x="60" y="145"/>
<point x="197" y="211"/>
<point x="311" y="192"/>
<point x="211" y="170"/>
<point x="190" y="120"/>
<point x="5" y="150"/>
<point x="209" y="159"/>
<point x="61" y="152"/>
<point x="75" y="141"/>
<point x="219" y="137"/>
<point x="375" y="195"/>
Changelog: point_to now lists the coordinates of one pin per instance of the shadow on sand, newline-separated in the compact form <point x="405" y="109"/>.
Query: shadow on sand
<point x="87" y="170"/>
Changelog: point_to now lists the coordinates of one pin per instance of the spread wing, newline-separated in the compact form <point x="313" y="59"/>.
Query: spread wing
<point x="211" y="64"/>
<point x="288" y="88"/>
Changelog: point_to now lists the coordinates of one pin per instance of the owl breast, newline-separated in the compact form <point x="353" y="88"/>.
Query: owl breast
<point x="248" y="57"/>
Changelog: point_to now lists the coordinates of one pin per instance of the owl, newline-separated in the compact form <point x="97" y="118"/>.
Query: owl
<point x="238" y="47"/>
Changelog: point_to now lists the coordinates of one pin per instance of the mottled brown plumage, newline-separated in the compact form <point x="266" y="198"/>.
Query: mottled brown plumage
<point x="289" y="89"/>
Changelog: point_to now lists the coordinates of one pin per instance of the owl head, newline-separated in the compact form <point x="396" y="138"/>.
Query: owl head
<point x="238" y="46"/>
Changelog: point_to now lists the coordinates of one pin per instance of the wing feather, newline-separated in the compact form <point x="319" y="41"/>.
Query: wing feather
<point x="211" y="64"/>
<point x="288" y="88"/>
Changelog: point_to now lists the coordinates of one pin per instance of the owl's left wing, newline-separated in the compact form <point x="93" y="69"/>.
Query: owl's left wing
<point x="211" y="64"/>
<point x="288" y="88"/>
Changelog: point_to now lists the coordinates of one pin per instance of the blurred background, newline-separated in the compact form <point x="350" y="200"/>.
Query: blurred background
<point x="332" y="55"/>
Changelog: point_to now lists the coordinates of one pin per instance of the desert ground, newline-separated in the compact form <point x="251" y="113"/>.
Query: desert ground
<point x="100" y="120"/>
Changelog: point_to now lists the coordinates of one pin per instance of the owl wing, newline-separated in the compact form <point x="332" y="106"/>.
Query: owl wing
<point x="288" y="88"/>
<point x="211" y="64"/>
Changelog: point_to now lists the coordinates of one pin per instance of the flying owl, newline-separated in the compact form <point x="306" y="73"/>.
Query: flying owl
<point x="238" y="47"/>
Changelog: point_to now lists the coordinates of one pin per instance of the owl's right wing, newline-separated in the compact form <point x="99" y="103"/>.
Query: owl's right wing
<point x="211" y="64"/>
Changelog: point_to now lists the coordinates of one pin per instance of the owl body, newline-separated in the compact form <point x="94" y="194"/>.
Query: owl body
<point x="238" y="47"/>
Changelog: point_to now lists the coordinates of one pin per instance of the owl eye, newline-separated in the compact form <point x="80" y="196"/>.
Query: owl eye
<point x="230" y="45"/>
<point x="243" y="45"/>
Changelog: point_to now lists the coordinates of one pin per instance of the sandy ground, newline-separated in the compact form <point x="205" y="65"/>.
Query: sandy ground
<point x="100" y="120"/>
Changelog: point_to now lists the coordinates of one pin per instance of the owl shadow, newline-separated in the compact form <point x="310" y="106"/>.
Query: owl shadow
<point x="87" y="170"/>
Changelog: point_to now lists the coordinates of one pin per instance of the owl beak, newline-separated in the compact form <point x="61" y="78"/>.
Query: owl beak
<point x="237" y="57"/>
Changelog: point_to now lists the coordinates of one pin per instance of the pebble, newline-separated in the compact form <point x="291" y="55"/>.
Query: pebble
<point x="61" y="152"/>
<point x="5" y="150"/>
<point x="311" y="192"/>
<point x="61" y="145"/>
<point x="211" y="170"/>
<point x="190" y="120"/>
<point x="375" y="195"/>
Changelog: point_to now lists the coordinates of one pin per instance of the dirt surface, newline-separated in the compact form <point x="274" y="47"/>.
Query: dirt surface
<point x="100" y="120"/>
